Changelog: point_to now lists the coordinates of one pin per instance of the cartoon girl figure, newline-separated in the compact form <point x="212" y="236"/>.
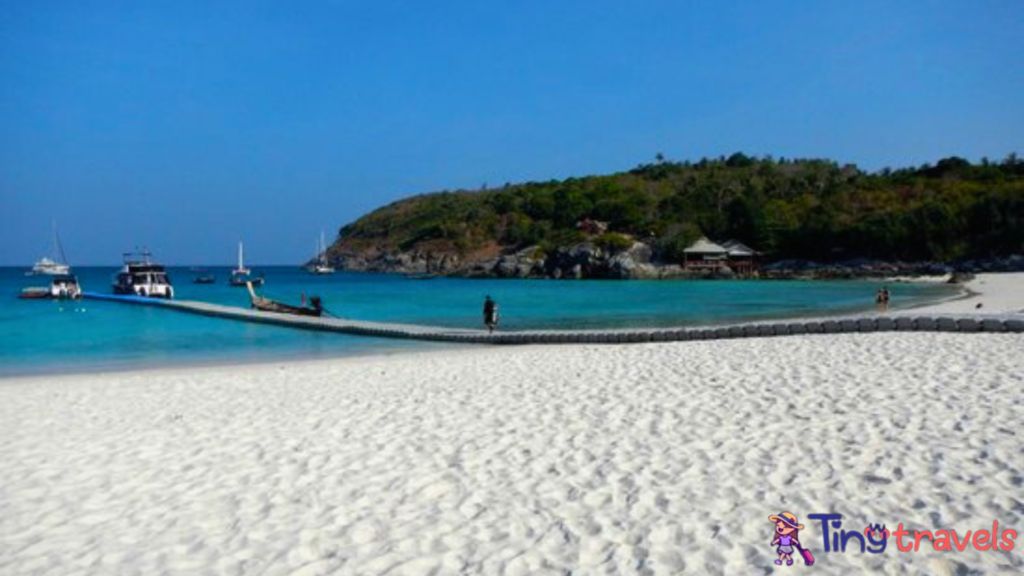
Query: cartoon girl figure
<point x="786" y="532"/>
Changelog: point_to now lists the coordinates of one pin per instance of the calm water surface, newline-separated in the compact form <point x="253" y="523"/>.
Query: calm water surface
<point x="46" y="336"/>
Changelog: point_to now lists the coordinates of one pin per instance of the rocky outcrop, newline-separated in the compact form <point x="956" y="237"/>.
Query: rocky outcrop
<point x="587" y="260"/>
<point x="528" y="263"/>
<point x="397" y="262"/>
<point x="1014" y="263"/>
<point x="866" y="268"/>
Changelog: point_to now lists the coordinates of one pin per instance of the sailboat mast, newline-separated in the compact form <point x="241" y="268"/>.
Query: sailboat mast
<point x="239" y="254"/>
<point x="58" y="245"/>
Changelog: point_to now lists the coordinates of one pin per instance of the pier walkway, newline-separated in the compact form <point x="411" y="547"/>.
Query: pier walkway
<point x="896" y="321"/>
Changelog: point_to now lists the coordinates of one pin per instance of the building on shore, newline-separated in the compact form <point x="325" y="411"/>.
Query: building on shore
<point x="742" y="258"/>
<point x="705" y="255"/>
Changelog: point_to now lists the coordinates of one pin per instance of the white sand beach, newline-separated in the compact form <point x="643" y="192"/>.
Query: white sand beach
<point x="995" y="293"/>
<point x="632" y="459"/>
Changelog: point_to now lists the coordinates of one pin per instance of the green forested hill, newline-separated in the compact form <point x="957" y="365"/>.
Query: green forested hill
<point x="801" y="209"/>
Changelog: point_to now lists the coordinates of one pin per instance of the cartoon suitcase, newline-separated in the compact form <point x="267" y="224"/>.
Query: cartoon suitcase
<point x="808" y="559"/>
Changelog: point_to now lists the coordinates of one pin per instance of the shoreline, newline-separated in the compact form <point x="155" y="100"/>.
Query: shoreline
<point x="228" y="363"/>
<point x="390" y="347"/>
<point x="969" y="294"/>
<point x="998" y="293"/>
<point x="233" y="368"/>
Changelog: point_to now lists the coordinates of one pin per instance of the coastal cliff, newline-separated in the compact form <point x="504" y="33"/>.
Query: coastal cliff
<point x="805" y="218"/>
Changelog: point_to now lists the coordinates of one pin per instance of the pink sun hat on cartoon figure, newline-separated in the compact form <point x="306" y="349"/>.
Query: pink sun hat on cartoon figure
<point x="787" y="518"/>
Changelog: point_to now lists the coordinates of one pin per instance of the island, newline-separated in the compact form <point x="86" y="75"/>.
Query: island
<point x="735" y="216"/>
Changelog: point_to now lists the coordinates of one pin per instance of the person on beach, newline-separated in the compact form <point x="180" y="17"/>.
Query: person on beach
<point x="786" y="531"/>
<point x="490" y="314"/>
<point x="880" y="299"/>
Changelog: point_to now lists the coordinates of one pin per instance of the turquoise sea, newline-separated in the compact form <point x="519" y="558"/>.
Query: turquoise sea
<point x="50" y="336"/>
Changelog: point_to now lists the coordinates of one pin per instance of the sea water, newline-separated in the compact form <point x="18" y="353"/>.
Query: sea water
<point x="58" y="336"/>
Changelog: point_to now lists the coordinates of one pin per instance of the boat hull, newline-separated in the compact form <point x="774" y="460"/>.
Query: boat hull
<point x="159" y="295"/>
<point x="265" y="305"/>
<point x="45" y="294"/>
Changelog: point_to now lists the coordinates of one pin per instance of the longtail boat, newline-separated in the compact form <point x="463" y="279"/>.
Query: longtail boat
<point x="267" y="305"/>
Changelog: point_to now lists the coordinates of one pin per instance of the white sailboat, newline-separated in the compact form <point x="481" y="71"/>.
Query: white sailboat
<point x="52" y="266"/>
<point x="321" y="266"/>
<point x="241" y="276"/>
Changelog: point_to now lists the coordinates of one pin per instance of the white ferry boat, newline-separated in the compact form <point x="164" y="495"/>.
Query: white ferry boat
<point x="140" y="276"/>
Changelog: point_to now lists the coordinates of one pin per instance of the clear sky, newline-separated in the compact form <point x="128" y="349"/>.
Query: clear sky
<point x="185" y="126"/>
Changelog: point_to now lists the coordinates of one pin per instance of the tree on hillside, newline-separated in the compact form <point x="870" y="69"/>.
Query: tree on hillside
<point x="788" y="208"/>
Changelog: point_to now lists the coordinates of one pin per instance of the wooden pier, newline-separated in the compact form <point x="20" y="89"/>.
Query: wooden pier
<point x="906" y="321"/>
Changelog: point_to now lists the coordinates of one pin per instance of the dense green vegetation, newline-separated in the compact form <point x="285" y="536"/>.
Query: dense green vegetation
<point x="808" y="209"/>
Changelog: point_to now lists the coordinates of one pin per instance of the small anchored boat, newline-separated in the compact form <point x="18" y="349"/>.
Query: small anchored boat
<point x="52" y="266"/>
<point x="242" y="276"/>
<point x="35" y="293"/>
<point x="267" y="305"/>
<point x="203" y="276"/>
<point x="47" y="266"/>
<point x="321" y="266"/>
<point x="62" y="287"/>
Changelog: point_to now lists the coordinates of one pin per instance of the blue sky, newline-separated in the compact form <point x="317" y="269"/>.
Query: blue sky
<point x="184" y="126"/>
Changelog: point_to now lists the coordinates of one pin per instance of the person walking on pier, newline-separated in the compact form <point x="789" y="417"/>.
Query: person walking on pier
<point x="490" y="314"/>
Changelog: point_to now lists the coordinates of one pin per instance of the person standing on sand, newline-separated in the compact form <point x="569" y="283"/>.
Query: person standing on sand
<point x="490" y="314"/>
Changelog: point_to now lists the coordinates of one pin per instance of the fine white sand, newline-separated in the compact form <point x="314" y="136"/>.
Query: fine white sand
<point x="639" y="459"/>
<point x="997" y="293"/>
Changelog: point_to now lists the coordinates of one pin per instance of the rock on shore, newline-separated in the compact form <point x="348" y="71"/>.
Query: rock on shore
<point x="639" y="261"/>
